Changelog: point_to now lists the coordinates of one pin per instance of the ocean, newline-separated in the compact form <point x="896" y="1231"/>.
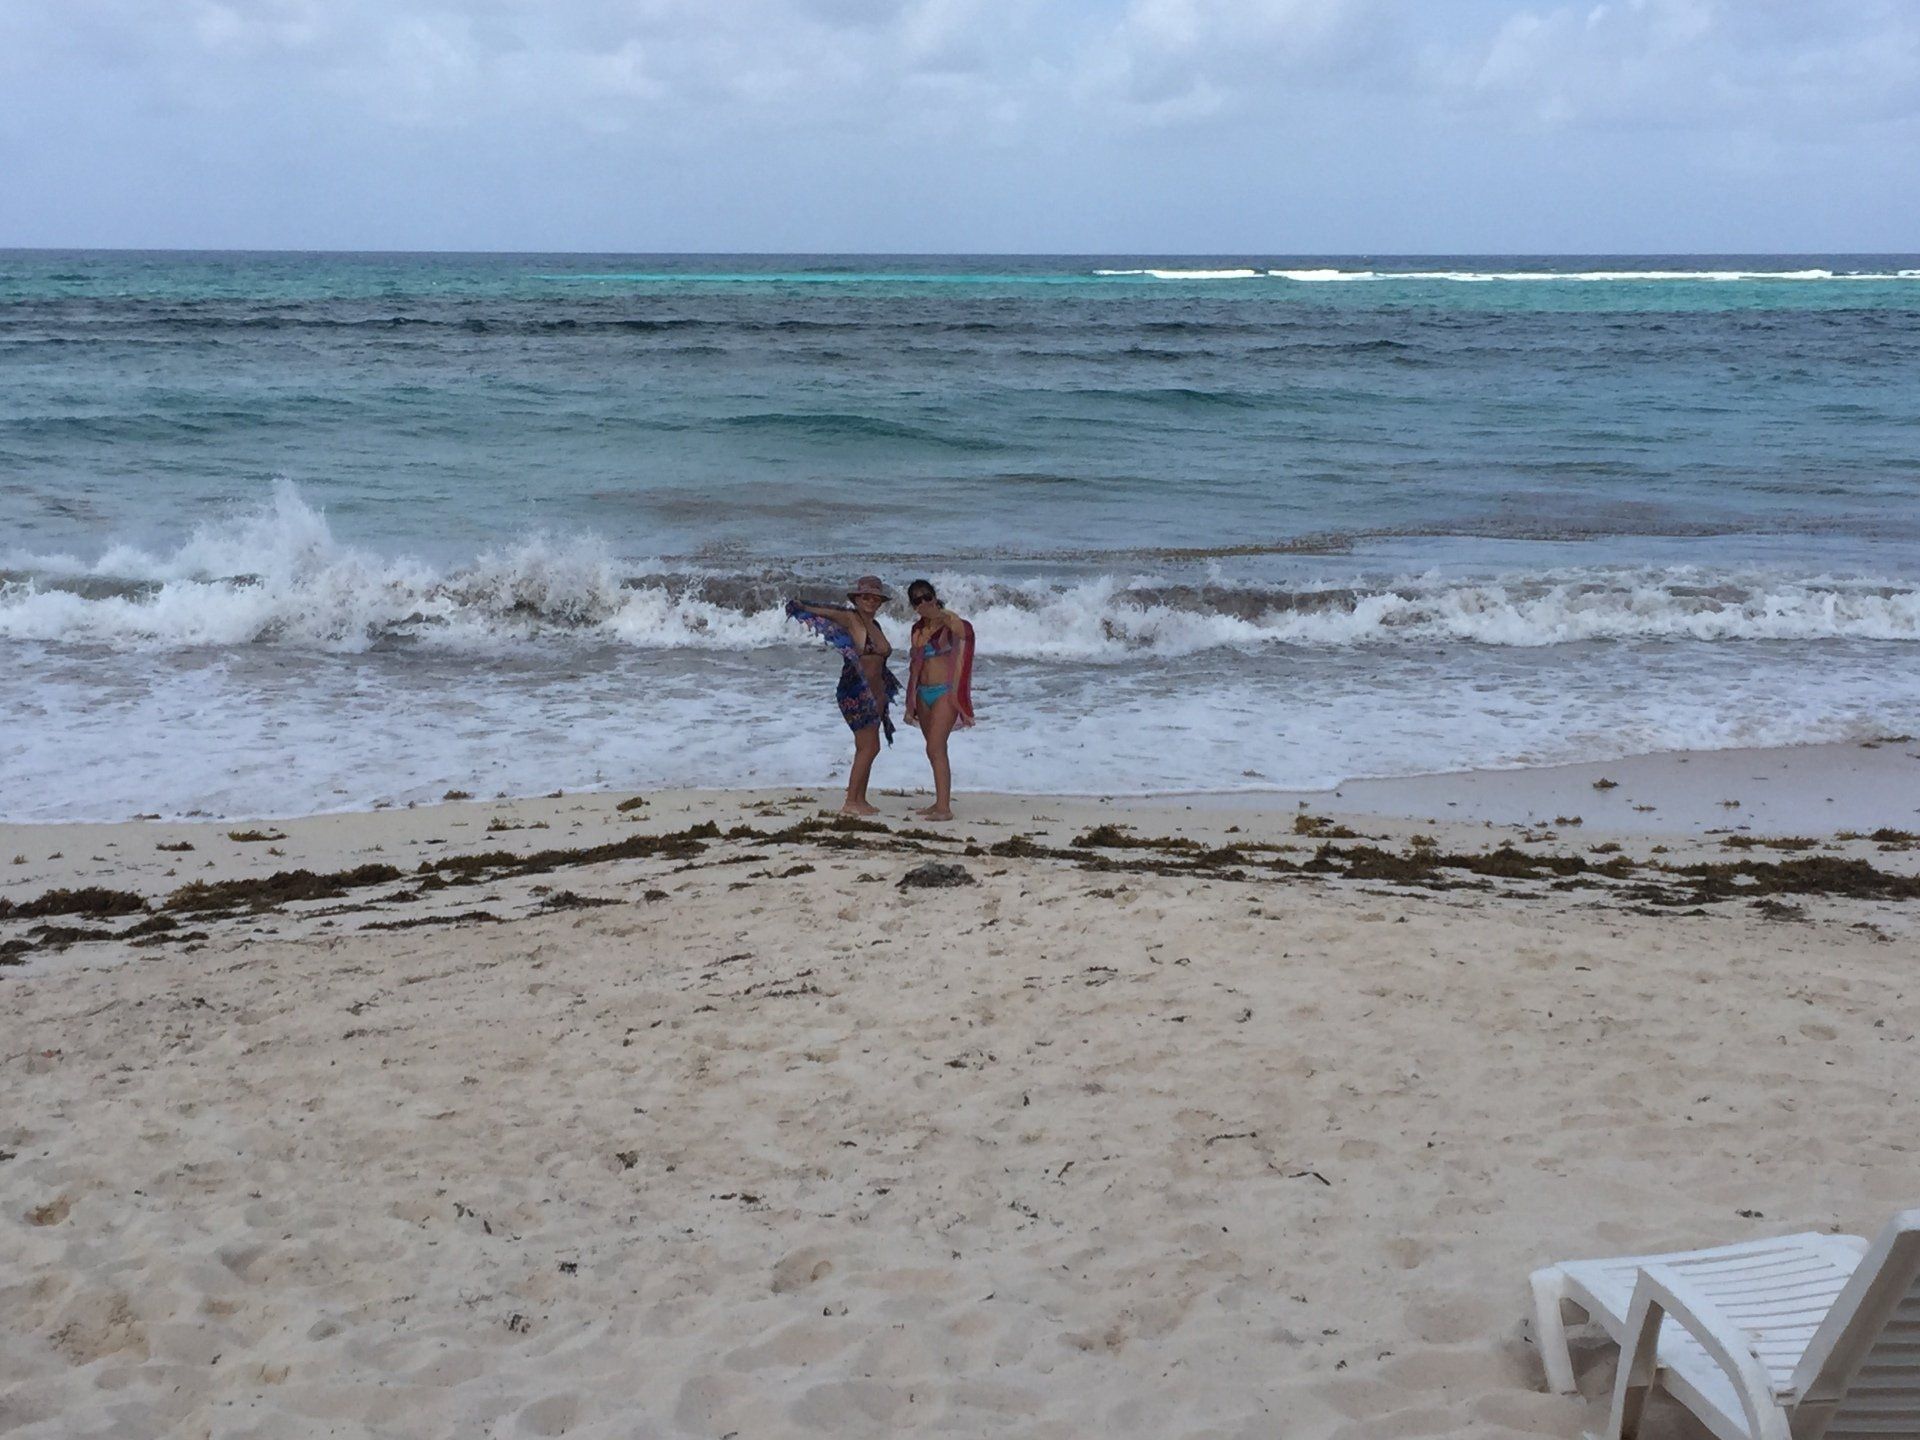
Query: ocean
<point x="282" y="533"/>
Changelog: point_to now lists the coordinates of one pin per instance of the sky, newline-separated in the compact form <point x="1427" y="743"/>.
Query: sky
<point x="1268" y="127"/>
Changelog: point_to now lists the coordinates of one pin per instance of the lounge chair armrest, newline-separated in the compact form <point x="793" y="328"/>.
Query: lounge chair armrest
<point x="1662" y="1292"/>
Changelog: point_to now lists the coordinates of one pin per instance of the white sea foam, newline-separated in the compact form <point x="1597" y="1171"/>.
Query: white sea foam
<point x="279" y="577"/>
<point x="1188" y="274"/>
<point x="145" y="733"/>
<point x="1316" y="275"/>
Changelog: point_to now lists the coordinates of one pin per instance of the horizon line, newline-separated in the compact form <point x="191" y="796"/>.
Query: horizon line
<point x="970" y="254"/>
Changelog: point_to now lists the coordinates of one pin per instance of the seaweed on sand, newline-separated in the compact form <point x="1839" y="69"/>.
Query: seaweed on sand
<point x="1019" y="847"/>
<point x="269" y="892"/>
<point x="470" y="869"/>
<point x="1810" y="875"/>
<point x="87" y="900"/>
<point x="1112" y="837"/>
<point x="414" y="922"/>
<point x="1321" y="828"/>
<point x="58" y="937"/>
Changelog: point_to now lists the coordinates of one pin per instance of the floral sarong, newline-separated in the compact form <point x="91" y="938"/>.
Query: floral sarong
<point x="859" y="706"/>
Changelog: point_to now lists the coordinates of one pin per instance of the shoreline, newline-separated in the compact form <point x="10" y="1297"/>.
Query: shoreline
<point x="1837" y="785"/>
<point x="1850" y="785"/>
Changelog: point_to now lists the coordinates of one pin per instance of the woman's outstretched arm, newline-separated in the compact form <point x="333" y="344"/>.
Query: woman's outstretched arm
<point x="845" y="616"/>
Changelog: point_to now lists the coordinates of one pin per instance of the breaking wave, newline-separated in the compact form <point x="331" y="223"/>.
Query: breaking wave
<point x="278" y="576"/>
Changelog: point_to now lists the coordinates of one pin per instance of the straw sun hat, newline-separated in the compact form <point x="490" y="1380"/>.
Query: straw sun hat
<point x="868" y="585"/>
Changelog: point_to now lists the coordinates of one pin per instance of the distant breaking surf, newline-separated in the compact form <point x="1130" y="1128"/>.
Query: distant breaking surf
<point x="1514" y="276"/>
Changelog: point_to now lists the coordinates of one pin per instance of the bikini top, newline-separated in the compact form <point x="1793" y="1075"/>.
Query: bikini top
<point x="872" y="649"/>
<point x="940" y="644"/>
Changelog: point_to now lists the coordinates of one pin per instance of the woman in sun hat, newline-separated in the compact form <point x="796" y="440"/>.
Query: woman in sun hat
<point x="867" y="686"/>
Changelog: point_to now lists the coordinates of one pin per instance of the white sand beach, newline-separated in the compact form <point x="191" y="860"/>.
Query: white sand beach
<point x="737" y="1136"/>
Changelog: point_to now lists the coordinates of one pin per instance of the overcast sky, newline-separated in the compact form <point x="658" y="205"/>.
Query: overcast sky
<point x="1162" y="126"/>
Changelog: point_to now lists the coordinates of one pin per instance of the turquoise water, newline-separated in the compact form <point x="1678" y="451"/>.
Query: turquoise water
<point x="1225" y="522"/>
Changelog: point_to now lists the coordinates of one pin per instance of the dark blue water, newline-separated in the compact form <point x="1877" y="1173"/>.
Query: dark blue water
<point x="1384" y="514"/>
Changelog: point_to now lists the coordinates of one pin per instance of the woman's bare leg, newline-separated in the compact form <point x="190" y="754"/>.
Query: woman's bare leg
<point x="937" y="727"/>
<point x="866" y="746"/>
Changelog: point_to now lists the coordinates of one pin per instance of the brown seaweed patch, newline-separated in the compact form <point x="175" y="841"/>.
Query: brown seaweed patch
<point x="1020" y="847"/>
<point x="1809" y="875"/>
<point x="1763" y="842"/>
<point x="1112" y="837"/>
<point x="283" y="887"/>
<point x="249" y="837"/>
<point x="87" y="900"/>
<point x="483" y="917"/>
<point x="177" y="937"/>
<point x="819" y="825"/>
<point x="1508" y="863"/>
<point x="1422" y="865"/>
<point x="1370" y="862"/>
<point x="679" y="845"/>
<point x="568" y="900"/>
<point x="469" y="866"/>
<point x="1321" y="828"/>
<point x="58" y="937"/>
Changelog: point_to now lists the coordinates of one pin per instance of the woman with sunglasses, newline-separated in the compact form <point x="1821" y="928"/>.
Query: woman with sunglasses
<point x="939" y="686"/>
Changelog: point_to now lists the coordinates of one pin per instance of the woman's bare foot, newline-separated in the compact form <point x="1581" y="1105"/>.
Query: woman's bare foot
<point x="859" y="807"/>
<point x="935" y="812"/>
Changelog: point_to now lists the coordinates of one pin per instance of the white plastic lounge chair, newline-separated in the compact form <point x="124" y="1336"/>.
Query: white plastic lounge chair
<point x="1808" y="1337"/>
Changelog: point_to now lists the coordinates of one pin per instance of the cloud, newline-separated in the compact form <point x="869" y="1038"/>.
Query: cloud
<point x="831" y="62"/>
<point x="1180" y="62"/>
<point x="745" y="121"/>
<point x="1671" y="63"/>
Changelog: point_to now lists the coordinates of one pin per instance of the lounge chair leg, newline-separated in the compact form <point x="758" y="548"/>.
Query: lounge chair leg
<point x="1638" y="1368"/>
<point x="1550" y="1330"/>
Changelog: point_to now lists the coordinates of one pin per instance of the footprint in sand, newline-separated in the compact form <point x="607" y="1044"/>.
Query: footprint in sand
<point x="799" y="1270"/>
<point x="555" y="1415"/>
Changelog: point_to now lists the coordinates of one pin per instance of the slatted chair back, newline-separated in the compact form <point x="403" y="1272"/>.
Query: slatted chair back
<point x="1859" y="1378"/>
